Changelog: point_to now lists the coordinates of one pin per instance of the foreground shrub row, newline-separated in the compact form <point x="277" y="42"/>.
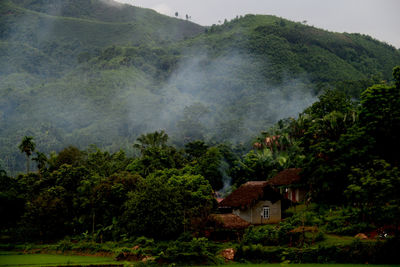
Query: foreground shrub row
<point x="382" y="252"/>
<point x="203" y="251"/>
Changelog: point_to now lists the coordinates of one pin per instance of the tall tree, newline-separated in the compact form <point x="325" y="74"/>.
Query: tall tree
<point x="374" y="189"/>
<point x="380" y="118"/>
<point x="151" y="140"/>
<point x="41" y="161"/>
<point x="27" y="146"/>
<point x="396" y="76"/>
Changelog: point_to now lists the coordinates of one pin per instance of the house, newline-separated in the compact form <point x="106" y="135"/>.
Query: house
<point x="256" y="202"/>
<point x="289" y="183"/>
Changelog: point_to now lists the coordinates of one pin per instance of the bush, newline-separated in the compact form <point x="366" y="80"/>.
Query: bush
<point x="268" y="235"/>
<point x="265" y="235"/>
<point x="259" y="253"/>
<point x="64" y="245"/>
<point x="357" y="252"/>
<point x="144" y="241"/>
<point x="197" y="251"/>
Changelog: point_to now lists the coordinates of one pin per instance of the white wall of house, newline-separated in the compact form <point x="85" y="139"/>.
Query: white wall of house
<point x="254" y="215"/>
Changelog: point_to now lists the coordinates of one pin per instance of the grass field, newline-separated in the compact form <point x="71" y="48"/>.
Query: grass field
<point x="17" y="259"/>
<point x="305" y="265"/>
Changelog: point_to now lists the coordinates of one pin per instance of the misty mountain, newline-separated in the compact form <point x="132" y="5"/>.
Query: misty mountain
<point x="98" y="72"/>
<point x="65" y="28"/>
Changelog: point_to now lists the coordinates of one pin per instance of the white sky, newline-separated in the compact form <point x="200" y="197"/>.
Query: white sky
<point x="377" y="18"/>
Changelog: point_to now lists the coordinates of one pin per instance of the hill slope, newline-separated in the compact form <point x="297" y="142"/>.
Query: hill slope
<point x="87" y="72"/>
<point x="63" y="29"/>
<point x="298" y="48"/>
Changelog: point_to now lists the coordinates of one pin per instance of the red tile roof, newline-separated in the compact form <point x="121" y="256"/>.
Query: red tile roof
<point x="248" y="194"/>
<point x="229" y="221"/>
<point x="286" y="177"/>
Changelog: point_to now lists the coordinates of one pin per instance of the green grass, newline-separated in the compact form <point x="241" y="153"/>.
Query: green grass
<point x="305" y="265"/>
<point x="17" y="259"/>
<point x="331" y="240"/>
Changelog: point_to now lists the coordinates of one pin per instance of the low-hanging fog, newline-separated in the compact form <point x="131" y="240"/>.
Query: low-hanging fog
<point x="225" y="96"/>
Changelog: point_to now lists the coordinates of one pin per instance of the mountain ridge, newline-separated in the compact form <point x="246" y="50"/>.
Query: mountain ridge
<point x="74" y="81"/>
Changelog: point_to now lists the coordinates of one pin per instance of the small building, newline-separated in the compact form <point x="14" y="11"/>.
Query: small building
<point x="256" y="202"/>
<point x="224" y="227"/>
<point x="290" y="184"/>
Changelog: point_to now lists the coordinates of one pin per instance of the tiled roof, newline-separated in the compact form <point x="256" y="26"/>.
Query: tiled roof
<point x="229" y="221"/>
<point x="286" y="177"/>
<point x="248" y="194"/>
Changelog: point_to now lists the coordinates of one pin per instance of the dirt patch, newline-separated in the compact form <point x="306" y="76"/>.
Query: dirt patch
<point x="228" y="254"/>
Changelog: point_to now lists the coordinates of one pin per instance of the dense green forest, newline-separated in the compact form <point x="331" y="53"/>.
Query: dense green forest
<point x="347" y="150"/>
<point x="118" y="125"/>
<point x="97" y="72"/>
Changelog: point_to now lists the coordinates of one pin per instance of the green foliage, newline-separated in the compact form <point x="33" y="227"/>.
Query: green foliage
<point x="70" y="155"/>
<point x="153" y="210"/>
<point x="151" y="140"/>
<point x="195" y="149"/>
<point x="44" y="259"/>
<point x="124" y="70"/>
<point x="27" y="146"/>
<point x="380" y="115"/>
<point x="256" y="165"/>
<point x="209" y="166"/>
<point x="330" y="101"/>
<point x="396" y="76"/>
<point x="273" y="151"/>
<point x="373" y="189"/>
<point x="124" y="75"/>
<point x="11" y="201"/>
<point x="156" y="154"/>
<point x="163" y="207"/>
<point x="195" y="197"/>
<point x="196" y="251"/>
<point x="356" y="252"/>
<point x="338" y="138"/>
<point x="41" y="160"/>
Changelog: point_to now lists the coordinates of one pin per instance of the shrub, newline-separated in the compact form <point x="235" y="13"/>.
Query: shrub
<point x="64" y="245"/>
<point x="357" y="252"/>
<point x="197" y="251"/>
<point x="144" y="241"/>
<point x="265" y="235"/>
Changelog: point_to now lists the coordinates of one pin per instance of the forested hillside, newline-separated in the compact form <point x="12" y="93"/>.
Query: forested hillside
<point x="161" y="202"/>
<point x="97" y="72"/>
<point x="120" y="128"/>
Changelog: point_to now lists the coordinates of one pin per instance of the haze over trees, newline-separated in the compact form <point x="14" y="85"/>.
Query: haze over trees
<point x="134" y="121"/>
<point x="91" y="73"/>
<point x="347" y="152"/>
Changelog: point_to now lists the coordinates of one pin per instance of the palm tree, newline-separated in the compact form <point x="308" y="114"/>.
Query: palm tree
<point x="156" y="139"/>
<point x="27" y="146"/>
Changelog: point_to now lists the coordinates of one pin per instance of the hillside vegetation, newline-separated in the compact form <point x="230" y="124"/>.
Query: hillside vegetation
<point x="159" y="205"/>
<point x="98" y="72"/>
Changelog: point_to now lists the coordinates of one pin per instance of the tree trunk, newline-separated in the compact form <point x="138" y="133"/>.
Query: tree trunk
<point x="27" y="164"/>
<point x="93" y="218"/>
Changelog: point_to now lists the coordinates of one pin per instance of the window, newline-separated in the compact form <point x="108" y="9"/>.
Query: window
<point x="265" y="213"/>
